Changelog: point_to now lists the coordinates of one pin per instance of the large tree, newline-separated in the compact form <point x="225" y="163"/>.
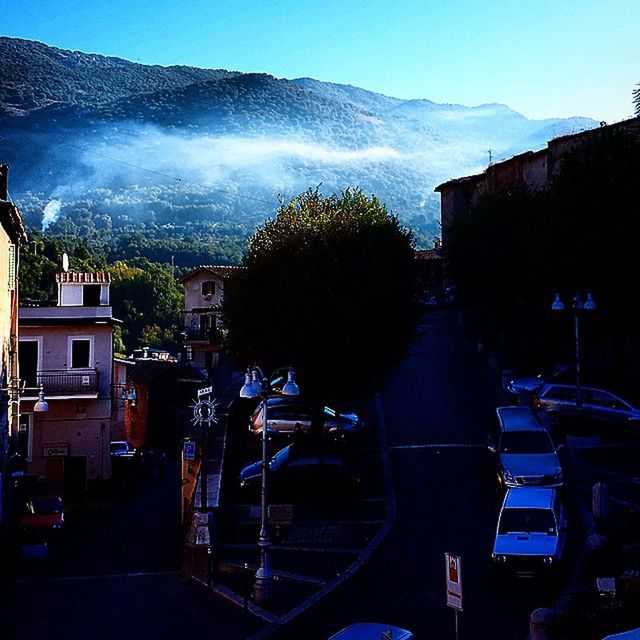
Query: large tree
<point x="330" y="286"/>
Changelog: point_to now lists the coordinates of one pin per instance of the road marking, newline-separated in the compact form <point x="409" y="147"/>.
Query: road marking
<point x="441" y="445"/>
<point x="106" y="576"/>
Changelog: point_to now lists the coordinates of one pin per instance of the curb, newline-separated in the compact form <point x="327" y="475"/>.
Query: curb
<point x="366" y="552"/>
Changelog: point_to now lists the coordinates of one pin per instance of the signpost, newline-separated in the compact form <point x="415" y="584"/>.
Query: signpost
<point x="204" y="413"/>
<point x="189" y="450"/>
<point x="453" y="578"/>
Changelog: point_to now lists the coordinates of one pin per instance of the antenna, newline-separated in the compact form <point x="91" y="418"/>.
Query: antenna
<point x="65" y="262"/>
<point x="490" y="155"/>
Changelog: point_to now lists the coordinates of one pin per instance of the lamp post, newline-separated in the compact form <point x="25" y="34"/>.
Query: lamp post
<point x="255" y="387"/>
<point x="577" y="304"/>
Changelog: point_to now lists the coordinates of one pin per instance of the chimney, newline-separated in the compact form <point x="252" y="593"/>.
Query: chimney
<point x="4" y="181"/>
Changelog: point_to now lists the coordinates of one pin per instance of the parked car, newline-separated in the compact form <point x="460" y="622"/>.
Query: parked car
<point x="296" y="468"/>
<point x="121" y="449"/>
<point x="596" y="403"/>
<point x="372" y="631"/>
<point x="524" y="450"/>
<point x="285" y="413"/>
<point x="44" y="512"/>
<point x="531" y="531"/>
<point x="528" y="385"/>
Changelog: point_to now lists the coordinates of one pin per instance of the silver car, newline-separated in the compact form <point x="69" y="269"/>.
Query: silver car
<point x="531" y="531"/>
<point x="525" y="453"/>
<point x="596" y="403"/>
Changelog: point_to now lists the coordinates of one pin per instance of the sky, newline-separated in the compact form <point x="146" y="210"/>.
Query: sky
<point x="543" y="58"/>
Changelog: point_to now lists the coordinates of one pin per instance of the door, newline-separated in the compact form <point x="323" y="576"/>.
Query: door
<point x="75" y="479"/>
<point x="28" y="362"/>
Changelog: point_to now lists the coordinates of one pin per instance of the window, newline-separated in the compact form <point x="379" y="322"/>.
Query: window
<point x="80" y="354"/>
<point x="91" y="295"/>
<point x="208" y="288"/>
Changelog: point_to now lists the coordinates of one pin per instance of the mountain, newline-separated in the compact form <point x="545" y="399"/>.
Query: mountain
<point x="185" y="162"/>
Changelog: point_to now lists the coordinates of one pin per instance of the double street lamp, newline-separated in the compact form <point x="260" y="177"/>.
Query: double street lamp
<point x="257" y="386"/>
<point x="577" y="304"/>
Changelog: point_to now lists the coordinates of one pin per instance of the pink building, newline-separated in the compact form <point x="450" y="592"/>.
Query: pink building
<point x="203" y="294"/>
<point x="67" y="350"/>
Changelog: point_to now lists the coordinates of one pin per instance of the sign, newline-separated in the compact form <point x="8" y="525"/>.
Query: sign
<point x="453" y="574"/>
<point x="205" y="392"/>
<point x="54" y="449"/>
<point x="189" y="450"/>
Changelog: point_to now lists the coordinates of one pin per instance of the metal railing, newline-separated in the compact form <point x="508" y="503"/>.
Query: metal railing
<point x="63" y="382"/>
<point x="213" y="334"/>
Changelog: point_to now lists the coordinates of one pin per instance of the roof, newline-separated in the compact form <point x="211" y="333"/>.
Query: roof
<point x="147" y="370"/>
<point x="529" y="498"/>
<point x="98" y="277"/>
<point x="456" y="181"/>
<point x="518" y="419"/>
<point x="428" y="254"/>
<point x="223" y="271"/>
<point x="11" y="221"/>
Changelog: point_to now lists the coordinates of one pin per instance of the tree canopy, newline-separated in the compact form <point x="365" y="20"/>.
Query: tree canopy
<point x="329" y="286"/>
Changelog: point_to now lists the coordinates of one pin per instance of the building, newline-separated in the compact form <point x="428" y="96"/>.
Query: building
<point x="67" y="351"/>
<point x="12" y="236"/>
<point x="203" y="295"/>
<point x="532" y="169"/>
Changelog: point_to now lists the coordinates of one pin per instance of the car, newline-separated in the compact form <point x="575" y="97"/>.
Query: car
<point x="528" y="385"/>
<point x="303" y="468"/>
<point x="43" y="512"/>
<point x="524" y="450"/>
<point x="372" y="631"/>
<point x="531" y="531"/>
<point x="285" y="413"/>
<point x="597" y="404"/>
<point x="121" y="449"/>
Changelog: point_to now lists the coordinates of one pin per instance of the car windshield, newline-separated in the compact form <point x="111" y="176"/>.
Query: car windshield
<point x="525" y="442"/>
<point x="117" y="447"/>
<point x="527" y="521"/>
<point x="43" y="506"/>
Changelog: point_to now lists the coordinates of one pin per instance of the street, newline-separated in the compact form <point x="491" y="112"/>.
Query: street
<point x="438" y="410"/>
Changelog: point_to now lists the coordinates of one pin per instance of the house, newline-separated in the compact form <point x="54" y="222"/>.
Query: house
<point x="160" y="399"/>
<point x="66" y="351"/>
<point x="533" y="170"/>
<point x="12" y="236"/>
<point x="203" y="295"/>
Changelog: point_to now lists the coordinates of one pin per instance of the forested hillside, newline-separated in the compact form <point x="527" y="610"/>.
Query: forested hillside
<point x="183" y="163"/>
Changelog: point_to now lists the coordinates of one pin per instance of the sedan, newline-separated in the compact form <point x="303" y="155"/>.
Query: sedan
<point x="527" y="385"/>
<point x="295" y="467"/>
<point x="596" y="403"/>
<point x="531" y="531"/>
<point x="286" y="415"/>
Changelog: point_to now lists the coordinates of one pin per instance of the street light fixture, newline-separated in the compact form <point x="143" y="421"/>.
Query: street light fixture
<point x="257" y="386"/>
<point x="577" y="304"/>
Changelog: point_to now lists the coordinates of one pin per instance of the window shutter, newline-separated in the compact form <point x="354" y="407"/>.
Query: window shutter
<point x="12" y="267"/>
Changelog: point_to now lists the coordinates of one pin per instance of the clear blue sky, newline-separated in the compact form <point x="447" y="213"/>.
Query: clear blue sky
<point x="541" y="57"/>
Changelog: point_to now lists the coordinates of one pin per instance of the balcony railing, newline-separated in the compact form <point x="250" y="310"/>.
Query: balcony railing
<point x="213" y="335"/>
<point x="63" y="382"/>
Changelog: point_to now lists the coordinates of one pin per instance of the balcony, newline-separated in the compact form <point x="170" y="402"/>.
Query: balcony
<point x="63" y="383"/>
<point x="212" y="335"/>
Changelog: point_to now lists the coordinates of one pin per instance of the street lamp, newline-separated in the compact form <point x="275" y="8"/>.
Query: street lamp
<point x="258" y="387"/>
<point x="577" y="304"/>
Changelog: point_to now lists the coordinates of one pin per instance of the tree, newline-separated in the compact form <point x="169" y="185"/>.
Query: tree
<point x="330" y="286"/>
<point x="142" y="296"/>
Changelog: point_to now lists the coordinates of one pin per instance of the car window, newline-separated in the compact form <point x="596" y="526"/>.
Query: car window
<point x="608" y="400"/>
<point x="527" y="521"/>
<point x="514" y="442"/>
<point x="561" y="393"/>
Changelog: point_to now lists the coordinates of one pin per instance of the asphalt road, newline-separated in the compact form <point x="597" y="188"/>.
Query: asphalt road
<point x="438" y="409"/>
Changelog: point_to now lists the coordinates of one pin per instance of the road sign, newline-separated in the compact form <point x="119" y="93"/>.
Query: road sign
<point x="189" y="450"/>
<point x="205" y="392"/>
<point x="453" y="575"/>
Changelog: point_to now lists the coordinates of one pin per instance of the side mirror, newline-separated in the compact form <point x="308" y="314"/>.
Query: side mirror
<point x="491" y="444"/>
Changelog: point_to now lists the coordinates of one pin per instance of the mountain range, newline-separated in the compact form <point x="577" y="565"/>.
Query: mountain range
<point x="133" y="156"/>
